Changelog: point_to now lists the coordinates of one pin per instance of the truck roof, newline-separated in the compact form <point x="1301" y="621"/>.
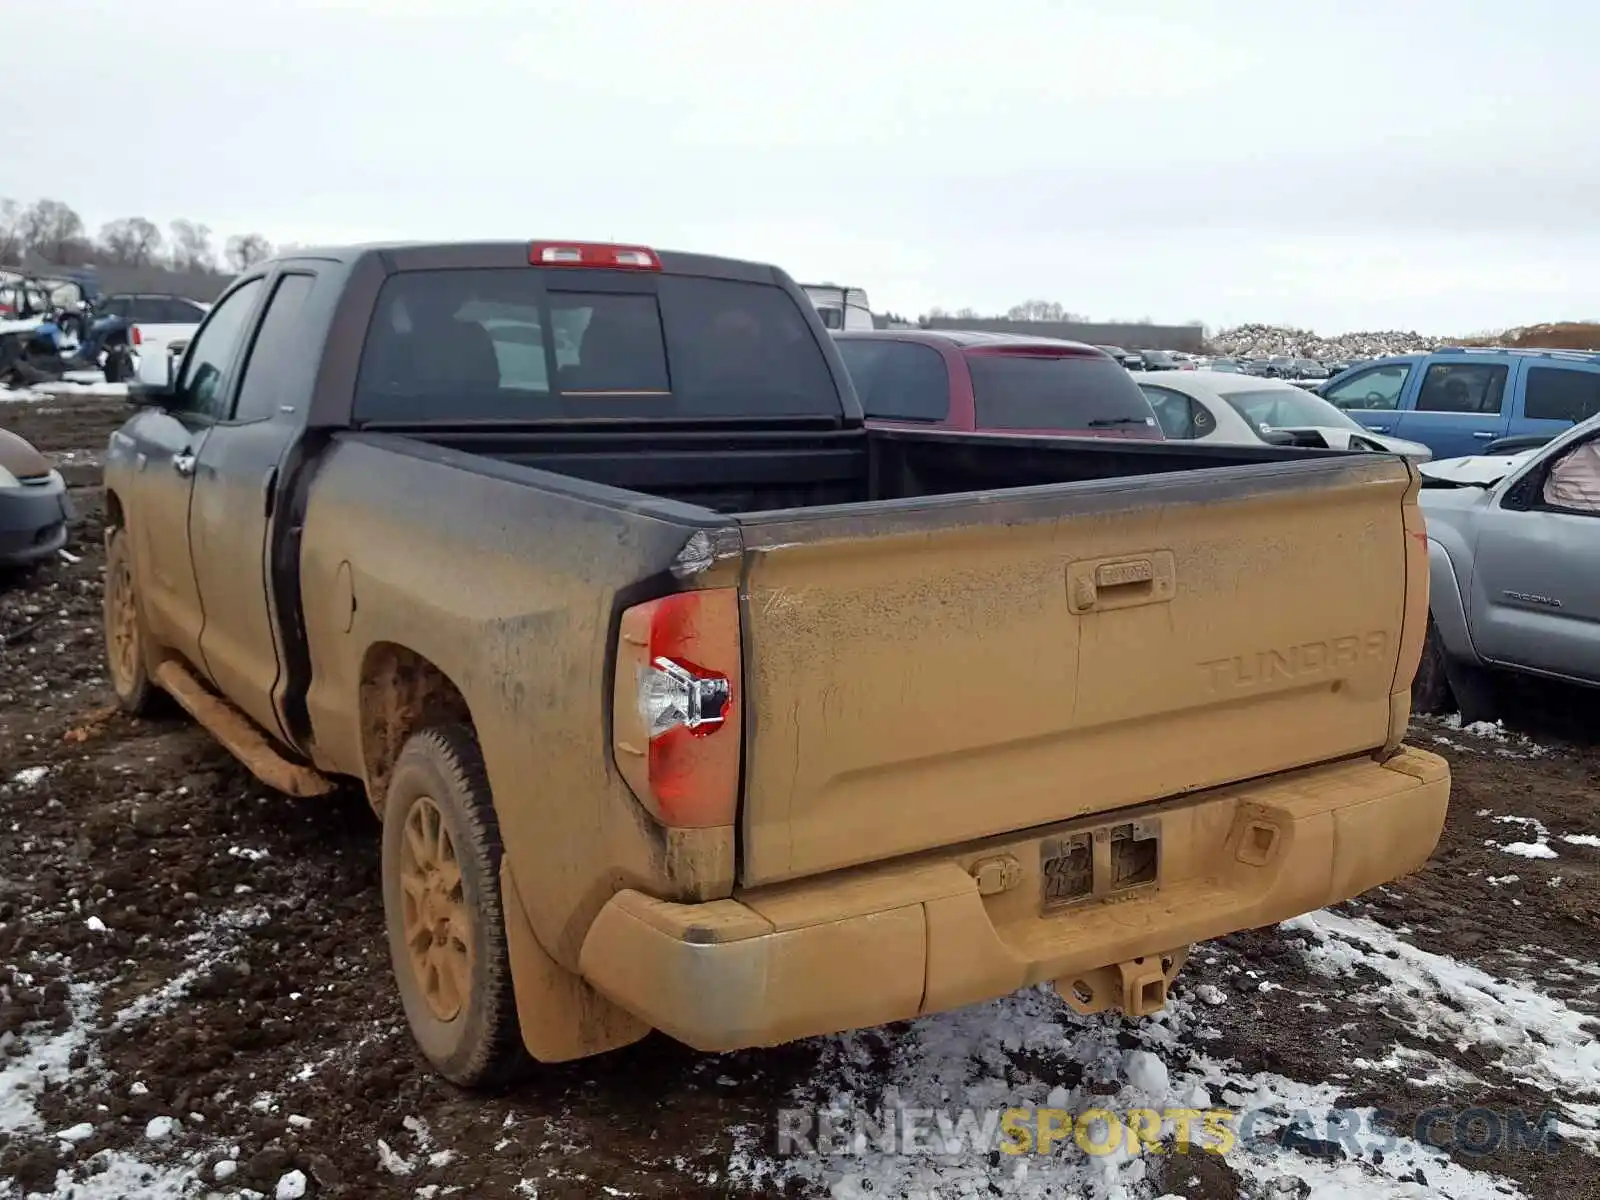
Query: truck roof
<point x="404" y="256"/>
<point x="968" y="337"/>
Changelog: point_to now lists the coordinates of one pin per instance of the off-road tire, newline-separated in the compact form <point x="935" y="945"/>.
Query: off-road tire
<point x="121" y="618"/>
<point x="1430" y="689"/>
<point x="481" y="1044"/>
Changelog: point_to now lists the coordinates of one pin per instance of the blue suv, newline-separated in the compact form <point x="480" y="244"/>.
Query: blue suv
<point x="1456" y="401"/>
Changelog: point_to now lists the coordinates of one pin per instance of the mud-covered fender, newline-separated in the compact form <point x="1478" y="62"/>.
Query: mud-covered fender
<point x="1446" y="604"/>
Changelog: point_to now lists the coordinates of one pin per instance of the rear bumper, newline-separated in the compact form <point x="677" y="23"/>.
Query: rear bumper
<point x="874" y="945"/>
<point x="33" y="522"/>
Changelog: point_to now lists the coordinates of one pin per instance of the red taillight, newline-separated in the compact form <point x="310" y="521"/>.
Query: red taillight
<point x="593" y="254"/>
<point x="675" y="713"/>
<point x="135" y="336"/>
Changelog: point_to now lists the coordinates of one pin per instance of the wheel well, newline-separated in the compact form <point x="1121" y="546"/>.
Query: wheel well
<point x="401" y="692"/>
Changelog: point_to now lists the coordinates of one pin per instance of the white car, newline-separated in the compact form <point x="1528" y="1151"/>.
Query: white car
<point x="1241" y="410"/>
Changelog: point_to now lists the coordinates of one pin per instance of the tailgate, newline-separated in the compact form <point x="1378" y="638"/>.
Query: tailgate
<point x="920" y="673"/>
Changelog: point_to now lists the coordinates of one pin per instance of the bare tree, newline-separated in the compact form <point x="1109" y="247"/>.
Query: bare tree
<point x="1036" y="310"/>
<point x="130" y="242"/>
<point x="10" y="231"/>
<point x="53" y="231"/>
<point x="191" y="247"/>
<point x="245" y="250"/>
<point x="967" y="314"/>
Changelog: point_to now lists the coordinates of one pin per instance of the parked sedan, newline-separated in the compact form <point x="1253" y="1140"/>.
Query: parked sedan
<point x="33" y="504"/>
<point x="1213" y="406"/>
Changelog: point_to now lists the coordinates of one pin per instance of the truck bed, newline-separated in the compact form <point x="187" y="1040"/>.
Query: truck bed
<point x="731" y="470"/>
<point x="947" y="637"/>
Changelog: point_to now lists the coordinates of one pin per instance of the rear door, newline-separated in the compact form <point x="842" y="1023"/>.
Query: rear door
<point x="949" y="668"/>
<point x="1462" y="403"/>
<point x="235" y="495"/>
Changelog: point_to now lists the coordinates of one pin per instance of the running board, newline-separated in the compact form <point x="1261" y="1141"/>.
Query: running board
<point x="239" y="735"/>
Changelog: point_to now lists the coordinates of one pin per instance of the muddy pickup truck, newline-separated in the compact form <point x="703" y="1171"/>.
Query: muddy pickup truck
<point x="687" y="702"/>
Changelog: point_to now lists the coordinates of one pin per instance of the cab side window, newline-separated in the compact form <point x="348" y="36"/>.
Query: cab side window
<point x="202" y="387"/>
<point x="897" y="381"/>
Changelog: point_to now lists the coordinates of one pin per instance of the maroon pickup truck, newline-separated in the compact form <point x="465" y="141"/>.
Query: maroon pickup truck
<point x="994" y="382"/>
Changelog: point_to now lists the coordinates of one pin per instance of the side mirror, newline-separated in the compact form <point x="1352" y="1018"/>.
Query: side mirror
<point x="154" y="382"/>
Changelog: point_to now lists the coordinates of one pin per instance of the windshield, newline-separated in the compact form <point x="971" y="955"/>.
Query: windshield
<point x="1064" y="392"/>
<point x="1286" y="408"/>
<point x="519" y="344"/>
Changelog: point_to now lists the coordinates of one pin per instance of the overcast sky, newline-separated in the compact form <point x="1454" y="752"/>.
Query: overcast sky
<point x="1420" y="164"/>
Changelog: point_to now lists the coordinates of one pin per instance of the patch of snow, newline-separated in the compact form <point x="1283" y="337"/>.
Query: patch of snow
<point x="78" y="1133"/>
<point x="957" y="1072"/>
<point x="1501" y="880"/>
<point x="30" y="776"/>
<point x="95" y="925"/>
<point x="90" y="385"/>
<point x="391" y="1162"/>
<point x="1539" y="1039"/>
<point x="43" y="1062"/>
<point x="1530" y="849"/>
<point x="1539" y="847"/>
<point x="419" y="1130"/>
<point x="1581" y="839"/>
<point x="117" y="1176"/>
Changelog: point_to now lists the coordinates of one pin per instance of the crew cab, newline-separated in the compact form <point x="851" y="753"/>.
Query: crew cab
<point x="1456" y="401"/>
<point x="689" y="701"/>
<point x="958" y="380"/>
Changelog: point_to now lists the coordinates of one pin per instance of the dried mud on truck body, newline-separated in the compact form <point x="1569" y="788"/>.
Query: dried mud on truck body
<point x="678" y="719"/>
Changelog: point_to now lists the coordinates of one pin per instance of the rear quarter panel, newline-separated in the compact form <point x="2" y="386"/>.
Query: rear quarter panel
<point x="511" y="588"/>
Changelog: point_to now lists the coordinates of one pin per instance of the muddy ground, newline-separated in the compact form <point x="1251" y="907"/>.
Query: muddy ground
<point x="177" y="943"/>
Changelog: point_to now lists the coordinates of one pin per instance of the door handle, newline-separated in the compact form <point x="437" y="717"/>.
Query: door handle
<point x="183" y="464"/>
<point x="1378" y="428"/>
<point x="1107" y="584"/>
<point x="1486" y="435"/>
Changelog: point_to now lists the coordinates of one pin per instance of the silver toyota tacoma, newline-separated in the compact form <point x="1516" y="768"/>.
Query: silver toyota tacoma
<point x="1514" y="574"/>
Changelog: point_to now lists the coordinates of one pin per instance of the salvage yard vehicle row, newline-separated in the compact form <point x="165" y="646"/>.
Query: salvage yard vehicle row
<point x="686" y="697"/>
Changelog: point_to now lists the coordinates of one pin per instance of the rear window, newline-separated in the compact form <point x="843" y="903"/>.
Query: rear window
<point x="509" y="344"/>
<point x="1063" y="392"/>
<point x="1555" y="394"/>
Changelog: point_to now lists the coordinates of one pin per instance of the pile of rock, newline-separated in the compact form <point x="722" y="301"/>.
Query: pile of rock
<point x="1266" y="340"/>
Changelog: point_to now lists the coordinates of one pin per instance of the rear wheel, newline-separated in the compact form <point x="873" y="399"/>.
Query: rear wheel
<point x="126" y="642"/>
<point x="1430" y="689"/>
<point x="441" y="902"/>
